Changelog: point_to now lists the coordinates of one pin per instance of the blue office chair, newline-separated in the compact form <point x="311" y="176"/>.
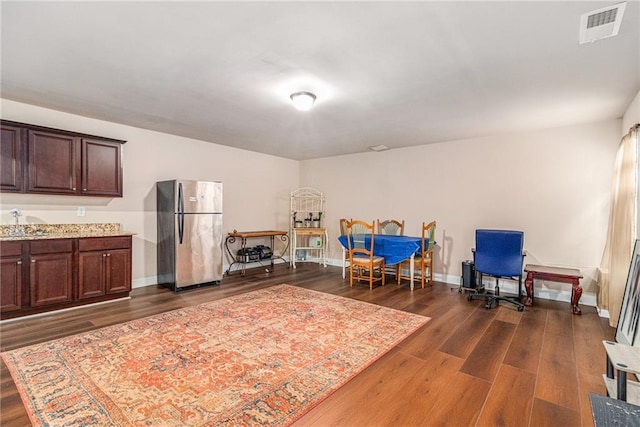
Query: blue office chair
<point x="498" y="253"/>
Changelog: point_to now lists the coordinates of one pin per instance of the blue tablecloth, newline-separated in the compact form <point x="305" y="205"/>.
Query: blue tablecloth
<point x="394" y="249"/>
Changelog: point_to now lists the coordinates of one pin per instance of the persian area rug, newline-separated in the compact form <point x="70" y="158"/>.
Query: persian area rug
<point x="261" y="358"/>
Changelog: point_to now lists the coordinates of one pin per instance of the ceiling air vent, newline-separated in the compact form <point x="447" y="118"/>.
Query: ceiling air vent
<point x="601" y="23"/>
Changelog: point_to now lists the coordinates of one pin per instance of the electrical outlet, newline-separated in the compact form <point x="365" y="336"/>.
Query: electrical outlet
<point x="81" y="211"/>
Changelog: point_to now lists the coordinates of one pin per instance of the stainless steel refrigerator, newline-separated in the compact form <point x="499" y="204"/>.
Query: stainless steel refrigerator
<point x="189" y="233"/>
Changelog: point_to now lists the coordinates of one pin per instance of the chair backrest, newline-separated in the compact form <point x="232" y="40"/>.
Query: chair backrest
<point x="428" y="232"/>
<point x="499" y="252"/>
<point x="356" y="231"/>
<point x="391" y="226"/>
<point x="343" y="226"/>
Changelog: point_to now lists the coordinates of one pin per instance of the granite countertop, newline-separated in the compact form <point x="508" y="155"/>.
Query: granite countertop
<point x="60" y="231"/>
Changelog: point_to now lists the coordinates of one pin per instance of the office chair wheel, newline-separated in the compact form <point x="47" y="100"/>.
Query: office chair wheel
<point x="469" y="298"/>
<point x="520" y="308"/>
<point x="488" y="305"/>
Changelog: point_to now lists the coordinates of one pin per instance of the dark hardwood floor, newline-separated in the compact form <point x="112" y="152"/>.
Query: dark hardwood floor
<point x="467" y="367"/>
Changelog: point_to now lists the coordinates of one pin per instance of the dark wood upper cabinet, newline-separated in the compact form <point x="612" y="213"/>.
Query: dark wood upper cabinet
<point x="42" y="160"/>
<point x="53" y="163"/>
<point x="101" y="168"/>
<point x="12" y="160"/>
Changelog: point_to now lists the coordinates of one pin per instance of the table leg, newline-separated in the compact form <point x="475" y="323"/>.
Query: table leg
<point x="610" y="373"/>
<point x="295" y="249"/>
<point x="622" y="386"/>
<point x="344" y="263"/>
<point x="325" y="244"/>
<point x="243" y="246"/>
<point x="272" y="253"/>
<point x="528" y="284"/>
<point x="411" y="269"/>
<point x="232" y="257"/>
<point x="576" y="293"/>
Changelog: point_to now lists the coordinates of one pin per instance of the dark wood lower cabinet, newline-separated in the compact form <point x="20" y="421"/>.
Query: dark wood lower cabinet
<point x="118" y="271"/>
<point x="50" y="271"/>
<point x="91" y="274"/>
<point x="62" y="273"/>
<point x="11" y="272"/>
<point x="51" y="278"/>
<point x="104" y="272"/>
<point x="11" y="276"/>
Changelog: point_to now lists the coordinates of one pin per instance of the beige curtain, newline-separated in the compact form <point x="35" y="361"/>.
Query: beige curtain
<point x="621" y="233"/>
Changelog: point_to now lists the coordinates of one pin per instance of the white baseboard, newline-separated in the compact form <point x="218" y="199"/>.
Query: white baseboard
<point x="153" y="280"/>
<point x="510" y="286"/>
<point x="62" y="310"/>
<point x="145" y="281"/>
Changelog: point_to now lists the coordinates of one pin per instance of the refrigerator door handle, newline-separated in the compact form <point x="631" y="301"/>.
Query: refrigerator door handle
<point x="180" y="199"/>
<point x="180" y="227"/>
<point x="180" y="213"/>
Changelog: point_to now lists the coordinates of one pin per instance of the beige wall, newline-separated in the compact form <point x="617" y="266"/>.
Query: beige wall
<point x="256" y="186"/>
<point x="554" y="185"/>
<point x="632" y="115"/>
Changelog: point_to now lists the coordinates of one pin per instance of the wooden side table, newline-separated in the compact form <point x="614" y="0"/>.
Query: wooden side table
<point x="554" y="274"/>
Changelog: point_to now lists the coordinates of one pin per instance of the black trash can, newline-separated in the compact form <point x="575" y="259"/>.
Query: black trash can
<point x="468" y="275"/>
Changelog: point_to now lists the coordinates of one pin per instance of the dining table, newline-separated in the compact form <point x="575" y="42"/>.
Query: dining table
<point x="395" y="249"/>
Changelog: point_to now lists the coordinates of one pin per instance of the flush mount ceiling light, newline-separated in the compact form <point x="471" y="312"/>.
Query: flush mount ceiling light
<point x="378" y="148"/>
<point x="303" y="100"/>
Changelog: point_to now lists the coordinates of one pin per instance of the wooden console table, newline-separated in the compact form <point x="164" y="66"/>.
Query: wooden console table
<point x="554" y="274"/>
<point x="244" y="236"/>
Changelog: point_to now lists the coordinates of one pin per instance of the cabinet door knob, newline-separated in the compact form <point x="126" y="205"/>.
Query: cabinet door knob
<point x="74" y="188"/>
<point x="33" y="260"/>
<point x="104" y="255"/>
<point x="108" y="254"/>
<point x="84" y="189"/>
<point x="19" y="262"/>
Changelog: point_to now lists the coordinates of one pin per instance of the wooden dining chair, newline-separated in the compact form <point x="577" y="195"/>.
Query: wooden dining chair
<point x="391" y="226"/>
<point x="363" y="264"/>
<point x="423" y="260"/>
<point x="343" y="232"/>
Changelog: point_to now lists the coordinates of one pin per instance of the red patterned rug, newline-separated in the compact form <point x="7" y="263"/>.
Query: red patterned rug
<point x="260" y="358"/>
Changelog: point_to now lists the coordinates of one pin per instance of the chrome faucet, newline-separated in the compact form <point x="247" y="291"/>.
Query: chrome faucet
<point x="16" y="214"/>
<point x="16" y="230"/>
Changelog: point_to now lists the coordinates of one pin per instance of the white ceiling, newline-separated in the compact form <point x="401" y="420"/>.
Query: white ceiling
<point x="392" y="73"/>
